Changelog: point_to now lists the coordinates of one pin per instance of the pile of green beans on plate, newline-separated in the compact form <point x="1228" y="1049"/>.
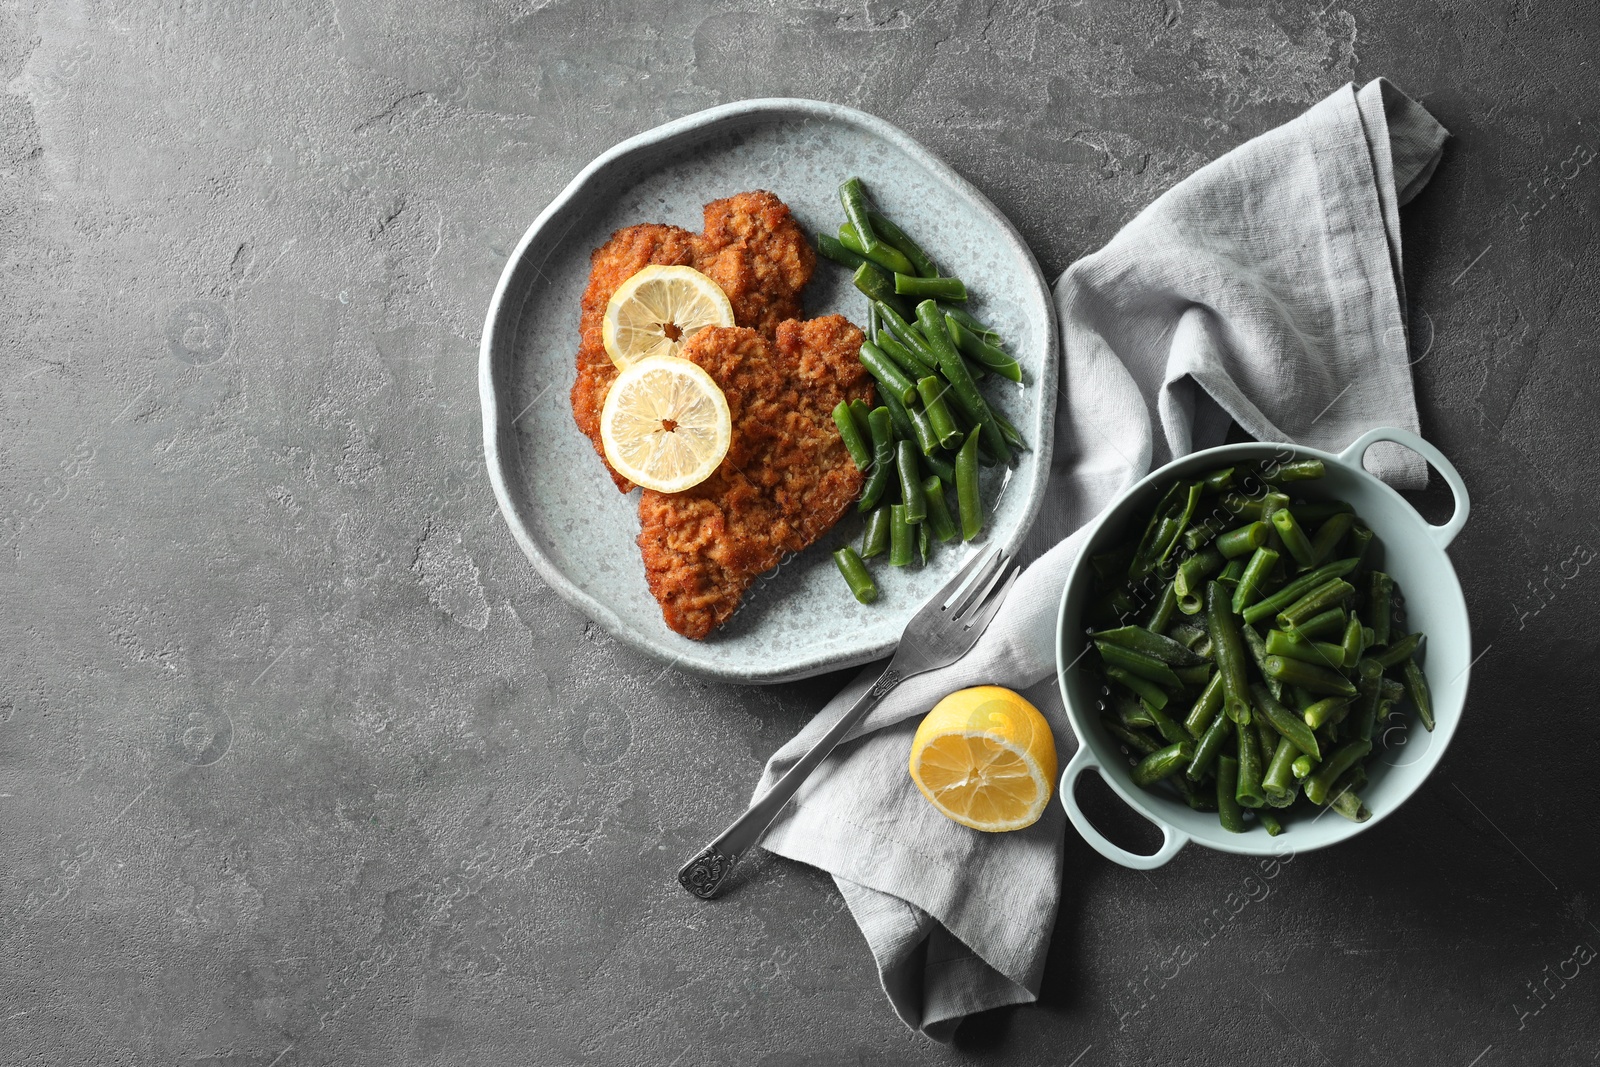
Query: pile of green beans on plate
<point x="1248" y="647"/>
<point x="921" y="448"/>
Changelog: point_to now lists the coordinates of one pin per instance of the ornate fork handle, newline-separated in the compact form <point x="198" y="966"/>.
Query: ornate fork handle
<point x="704" y="874"/>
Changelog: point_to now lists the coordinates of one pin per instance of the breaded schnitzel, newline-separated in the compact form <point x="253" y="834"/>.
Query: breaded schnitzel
<point x="785" y="481"/>
<point x="751" y="247"/>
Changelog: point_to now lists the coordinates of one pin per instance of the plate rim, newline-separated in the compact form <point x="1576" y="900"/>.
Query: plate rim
<point x="502" y="317"/>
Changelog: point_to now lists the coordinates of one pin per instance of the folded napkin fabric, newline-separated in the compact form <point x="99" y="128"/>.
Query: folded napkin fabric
<point x="1264" y="289"/>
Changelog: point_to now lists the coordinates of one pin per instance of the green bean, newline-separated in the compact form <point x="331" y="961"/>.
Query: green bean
<point x="1229" y="649"/>
<point x="907" y="360"/>
<point x="834" y="249"/>
<point x="1360" y="541"/>
<point x="1321" y="653"/>
<point x="1398" y="652"/>
<point x="1012" y="435"/>
<point x="1162" y="525"/>
<point x="967" y="499"/>
<point x="1144" y="641"/>
<point x="1354" y="641"/>
<point x="1242" y="506"/>
<point x="1333" y="591"/>
<point x="1369" y="697"/>
<point x="1286" y="722"/>
<point x="1148" y="691"/>
<point x="1199" y="535"/>
<point x="1134" y="713"/>
<point x="1315" y="679"/>
<point x="887" y="372"/>
<point x="1228" y="813"/>
<point x="1190" y="580"/>
<point x="942" y="467"/>
<point x="1255" y="576"/>
<point x="855" y="575"/>
<point x="1303" y="765"/>
<point x="872" y="321"/>
<point x="924" y="542"/>
<point x="1210" y="747"/>
<point x="882" y="458"/>
<point x="1258" y="655"/>
<point x="1162" y="763"/>
<point x="1243" y="541"/>
<point x="939" y="288"/>
<point x="1170" y="729"/>
<point x="884" y="255"/>
<point x="875" y="535"/>
<point x="1298" y="588"/>
<point x="1248" y="792"/>
<point x="1329" y="534"/>
<point x="939" y="518"/>
<point x="1269" y="822"/>
<point x="975" y="325"/>
<point x="899" y="417"/>
<point x="1218" y="480"/>
<point x="900" y="537"/>
<point x="932" y="391"/>
<point x="1320" y="510"/>
<point x="908" y="335"/>
<point x="851" y="436"/>
<point x="1417" y="686"/>
<point x="1279" y="776"/>
<point x="1380" y="606"/>
<point x="861" y="412"/>
<point x="1326" y="624"/>
<point x="1347" y="755"/>
<point x="916" y="504"/>
<point x="1348" y="804"/>
<point x="1166" y="604"/>
<point x="878" y="287"/>
<point x="991" y="356"/>
<point x="1294" y="538"/>
<point x="1132" y="738"/>
<point x="888" y="231"/>
<point x="960" y="378"/>
<point x="1329" y="709"/>
<point x="853" y="195"/>
<point x="922" y="430"/>
<point x="1206" y="708"/>
<point x="1194" y="677"/>
<point x="1300" y="470"/>
<point x="1138" y="663"/>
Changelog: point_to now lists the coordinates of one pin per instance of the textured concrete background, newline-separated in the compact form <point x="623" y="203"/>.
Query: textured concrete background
<point x="299" y="764"/>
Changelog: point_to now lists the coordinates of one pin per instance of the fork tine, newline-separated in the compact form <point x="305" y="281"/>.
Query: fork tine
<point x="985" y="615"/>
<point x="970" y="595"/>
<point x="960" y="576"/>
<point x="979" y="592"/>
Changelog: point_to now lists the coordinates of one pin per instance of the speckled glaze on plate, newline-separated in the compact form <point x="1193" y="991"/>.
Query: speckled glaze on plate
<point x="800" y="619"/>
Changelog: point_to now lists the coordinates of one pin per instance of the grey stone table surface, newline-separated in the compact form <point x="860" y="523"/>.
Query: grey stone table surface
<point x="299" y="763"/>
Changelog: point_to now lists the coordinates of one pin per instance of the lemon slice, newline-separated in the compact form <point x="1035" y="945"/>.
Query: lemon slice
<point x="665" y="424"/>
<point x="654" y="312"/>
<point x="986" y="758"/>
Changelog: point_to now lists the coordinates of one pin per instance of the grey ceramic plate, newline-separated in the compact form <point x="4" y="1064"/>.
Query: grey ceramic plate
<point x="579" y="531"/>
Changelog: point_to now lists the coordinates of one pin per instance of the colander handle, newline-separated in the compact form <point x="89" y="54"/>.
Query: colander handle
<point x="1171" y="840"/>
<point x="1446" y="532"/>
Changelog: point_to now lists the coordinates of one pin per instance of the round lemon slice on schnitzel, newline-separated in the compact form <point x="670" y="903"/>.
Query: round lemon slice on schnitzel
<point x="665" y="424"/>
<point x="655" y="311"/>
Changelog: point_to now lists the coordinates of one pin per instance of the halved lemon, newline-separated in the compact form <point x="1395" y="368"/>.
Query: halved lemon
<point x="986" y="758"/>
<point x="665" y="424"/>
<point x="655" y="311"/>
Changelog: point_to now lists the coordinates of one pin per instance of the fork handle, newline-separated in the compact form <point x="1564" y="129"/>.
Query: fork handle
<point x="704" y="874"/>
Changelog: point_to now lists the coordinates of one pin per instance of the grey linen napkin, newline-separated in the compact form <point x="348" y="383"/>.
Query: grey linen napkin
<point x="1265" y="289"/>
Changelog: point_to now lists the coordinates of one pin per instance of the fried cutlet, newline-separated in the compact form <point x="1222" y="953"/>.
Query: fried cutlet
<point x="785" y="481"/>
<point x="751" y="247"/>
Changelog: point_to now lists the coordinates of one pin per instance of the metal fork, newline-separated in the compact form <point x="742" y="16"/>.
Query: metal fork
<point x="941" y="633"/>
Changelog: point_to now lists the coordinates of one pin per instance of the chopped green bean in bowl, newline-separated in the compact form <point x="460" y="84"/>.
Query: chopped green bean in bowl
<point x="1203" y="643"/>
